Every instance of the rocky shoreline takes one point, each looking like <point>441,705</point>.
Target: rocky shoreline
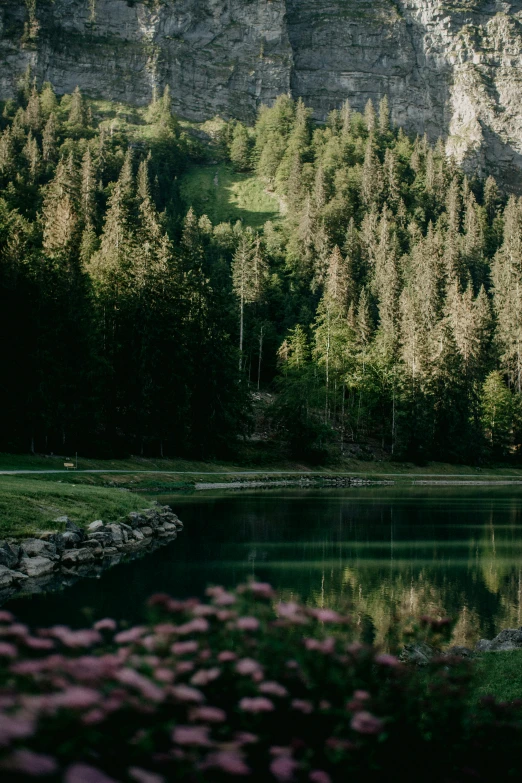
<point>56,560</point>
<point>422,653</point>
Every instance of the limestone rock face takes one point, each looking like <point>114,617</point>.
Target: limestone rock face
<point>450,67</point>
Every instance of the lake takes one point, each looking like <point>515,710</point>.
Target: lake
<point>387,552</point>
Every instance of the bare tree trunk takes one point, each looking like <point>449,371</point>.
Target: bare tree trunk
<point>242,306</point>
<point>342,419</point>
<point>260,357</point>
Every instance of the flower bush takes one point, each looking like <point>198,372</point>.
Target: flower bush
<point>240,686</point>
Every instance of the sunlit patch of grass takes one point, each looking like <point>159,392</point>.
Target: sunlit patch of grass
<point>227,196</point>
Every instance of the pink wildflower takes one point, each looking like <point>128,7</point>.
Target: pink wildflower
<point>183,667</point>
<point>107,624</point>
<point>225,599</point>
<point>226,656</point>
<point>6,617</point>
<point>273,689</point>
<point>144,776</point>
<point>247,624</point>
<point>188,694</point>
<point>165,629</point>
<point>361,695</point>
<point>191,735</point>
<point>26,762</point>
<point>366,723</point>
<point>204,610</point>
<point>283,768</point>
<point>291,611</point>
<point>198,625</point>
<point>147,688</point>
<point>14,727</point>
<point>225,614</point>
<point>204,676</point>
<point>245,738</point>
<point>164,675</point>
<point>306,707</point>
<point>17,629</point>
<point>228,761</point>
<point>209,714</point>
<point>84,773</point>
<point>214,591</point>
<point>326,646</point>
<point>261,589</point>
<point>93,717</point>
<point>256,704</point>
<point>184,648</point>
<point>132,635</point>
<point>387,660</point>
<point>248,666</point>
<point>8,650</point>
<point>75,639</point>
<point>326,615</point>
<point>39,644</point>
<point>319,776</point>
<point>76,698</point>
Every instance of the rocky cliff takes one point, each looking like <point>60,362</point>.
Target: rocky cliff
<point>449,67</point>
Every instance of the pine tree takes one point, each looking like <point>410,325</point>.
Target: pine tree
<point>506,274</point>
<point>372,179</point>
<point>33,112</point>
<point>88,177</point>
<point>248,276</point>
<point>77,114</point>
<point>49,139</point>
<point>384,117</point>
<point>240,148</point>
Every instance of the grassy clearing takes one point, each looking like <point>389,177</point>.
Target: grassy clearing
<point>499,674</point>
<point>28,506</point>
<point>227,196</point>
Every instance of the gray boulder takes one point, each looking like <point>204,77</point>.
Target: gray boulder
<point>419,654</point>
<point>71,539</point>
<point>77,556</point>
<point>36,566</point>
<point>95,526</point>
<point>103,538</point>
<point>35,547</point>
<point>9,554</point>
<point>508,639</point>
<point>136,520</point>
<point>116,533</point>
<point>72,528</point>
<point>8,577</point>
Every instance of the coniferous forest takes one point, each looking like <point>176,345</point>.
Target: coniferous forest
<point>384,306</point>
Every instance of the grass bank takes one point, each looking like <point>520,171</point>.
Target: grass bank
<point>29,506</point>
<point>500,674</point>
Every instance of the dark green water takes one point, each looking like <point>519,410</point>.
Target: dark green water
<point>453,551</point>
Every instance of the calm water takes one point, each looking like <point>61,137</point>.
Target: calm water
<point>455,551</point>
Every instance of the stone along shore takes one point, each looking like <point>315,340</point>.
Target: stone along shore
<point>55,560</point>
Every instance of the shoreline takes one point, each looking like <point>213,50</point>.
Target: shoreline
<point>53,561</point>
